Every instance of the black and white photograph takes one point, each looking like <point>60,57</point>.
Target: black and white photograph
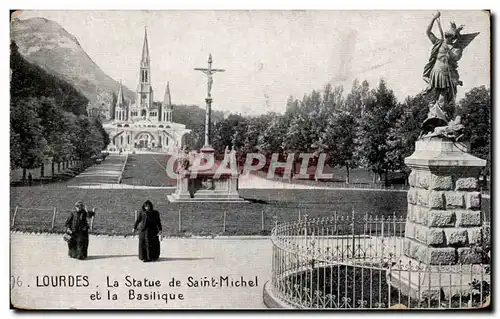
<point>250,159</point>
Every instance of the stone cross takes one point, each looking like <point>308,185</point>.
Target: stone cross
<point>209,73</point>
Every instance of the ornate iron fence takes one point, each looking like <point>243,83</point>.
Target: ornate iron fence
<point>357,262</point>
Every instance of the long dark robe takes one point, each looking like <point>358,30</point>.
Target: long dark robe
<point>79,243</point>
<point>148,224</point>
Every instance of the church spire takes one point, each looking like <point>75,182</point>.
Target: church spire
<point>166,100</point>
<point>167,106</point>
<point>121,109</point>
<point>145,69</point>
<point>145,49</point>
<point>120,100</point>
<point>144,91</point>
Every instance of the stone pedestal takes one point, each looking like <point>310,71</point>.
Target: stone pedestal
<point>205,187</point>
<point>444,220</point>
<point>197,185</point>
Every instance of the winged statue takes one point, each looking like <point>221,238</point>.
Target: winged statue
<point>440,73</point>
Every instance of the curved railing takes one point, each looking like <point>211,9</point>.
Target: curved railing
<point>350,260</point>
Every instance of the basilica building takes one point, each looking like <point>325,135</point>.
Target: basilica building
<point>144,124</point>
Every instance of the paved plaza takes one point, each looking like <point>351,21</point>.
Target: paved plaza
<point>36,256</point>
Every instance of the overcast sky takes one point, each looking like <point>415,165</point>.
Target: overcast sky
<point>269,55</point>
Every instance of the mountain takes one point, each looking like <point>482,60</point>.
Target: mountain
<point>47,44</point>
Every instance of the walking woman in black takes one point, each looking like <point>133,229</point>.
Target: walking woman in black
<point>77,227</point>
<point>149,226</point>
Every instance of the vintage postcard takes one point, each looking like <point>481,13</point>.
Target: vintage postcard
<point>252,159</point>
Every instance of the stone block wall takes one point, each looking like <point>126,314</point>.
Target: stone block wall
<point>444,221</point>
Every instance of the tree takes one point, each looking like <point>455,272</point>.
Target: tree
<point>105,136</point>
<point>378,117</point>
<point>356,99</point>
<point>224,131</point>
<point>87,139</point>
<point>55,131</point>
<point>271,139</point>
<point>337,140</point>
<point>28,134</point>
<point>403,135</point>
<point>239,134</point>
<point>475,112</point>
<point>190,140</point>
<point>15,149</point>
<point>255,127</point>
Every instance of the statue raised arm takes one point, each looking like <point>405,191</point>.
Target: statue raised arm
<point>441,73</point>
<point>429,33</point>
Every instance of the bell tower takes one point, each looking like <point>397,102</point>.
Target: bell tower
<point>144,89</point>
<point>167,106</point>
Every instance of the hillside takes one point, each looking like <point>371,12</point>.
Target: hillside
<point>47,118</point>
<point>44,43</point>
<point>29,80</point>
<point>47,44</point>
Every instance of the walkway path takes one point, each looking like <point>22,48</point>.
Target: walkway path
<point>107,172</point>
<point>35,256</point>
<point>252,181</point>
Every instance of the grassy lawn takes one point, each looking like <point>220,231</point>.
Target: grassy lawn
<point>115,207</point>
<point>147,169</point>
<point>358,178</point>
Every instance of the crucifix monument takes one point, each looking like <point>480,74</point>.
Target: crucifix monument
<point>200,178</point>
<point>209,72</point>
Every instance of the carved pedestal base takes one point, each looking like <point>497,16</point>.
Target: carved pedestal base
<point>207,188</point>
<point>444,224</point>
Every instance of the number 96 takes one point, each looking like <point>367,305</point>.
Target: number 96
<point>15,281</point>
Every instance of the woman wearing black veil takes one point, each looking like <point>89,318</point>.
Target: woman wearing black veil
<point>149,225</point>
<point>77,231</point>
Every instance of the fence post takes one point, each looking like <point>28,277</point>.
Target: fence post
<point>262,220</point>
<point>382,227</point>
<point>14,217</point>
<point>305,230</point>
<point>92,220</point>
<point>353,236</point>
<point>224,223</point>
<point>53,219</point>
<point>180,225</point>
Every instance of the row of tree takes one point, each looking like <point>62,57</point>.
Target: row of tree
<point>48,118</point>
<point>364,128</point>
